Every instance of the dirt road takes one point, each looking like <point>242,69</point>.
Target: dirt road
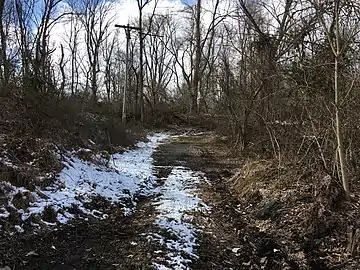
<point>188,221</point>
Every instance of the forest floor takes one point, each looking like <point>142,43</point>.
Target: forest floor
<point>189,216</point>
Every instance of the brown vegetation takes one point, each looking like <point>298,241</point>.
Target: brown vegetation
<point>280,85</point>
<point>296,210</point>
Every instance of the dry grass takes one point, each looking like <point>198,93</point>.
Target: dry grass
<point>304,211</point>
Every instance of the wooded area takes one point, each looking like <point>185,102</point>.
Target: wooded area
<point>280,76</point>
<point>277,80</point>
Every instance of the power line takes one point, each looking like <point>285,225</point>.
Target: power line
<point>128,29</point>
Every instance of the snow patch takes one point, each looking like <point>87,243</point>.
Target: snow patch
<point>127,175</point>
<point>175,204</point>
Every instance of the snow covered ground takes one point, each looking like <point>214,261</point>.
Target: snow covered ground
<point>175,205</point>
<point>127,175</point>
<point>120,181</point>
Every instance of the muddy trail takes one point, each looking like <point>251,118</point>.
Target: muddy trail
<point>189,221</point>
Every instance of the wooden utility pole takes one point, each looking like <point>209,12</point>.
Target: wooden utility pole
<point>127,29</point>
<point>141,56</point>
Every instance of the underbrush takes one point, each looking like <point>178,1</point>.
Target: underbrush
<point>170,117</point>
<point>37,128</point>
<point>303,208</point>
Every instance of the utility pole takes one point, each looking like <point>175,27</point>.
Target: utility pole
<point>127,29</point>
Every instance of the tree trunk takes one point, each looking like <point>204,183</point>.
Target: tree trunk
<point>62,70</point>
<point>141,83</point>
<point>196,78</point>
<point>4,65</point>
<point>338,122</point>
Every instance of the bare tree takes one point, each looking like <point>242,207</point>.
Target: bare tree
<point>96,20</point>
<point>24,12</point>
<point>339,35</point>
<point>197,61</point>
<point>71,39</point>
<point>42,51</point>
<point>158,61</point>
<point>4,63</point>
<point>108,55</point>
<point>62,64</point>
<point>142,35</point>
